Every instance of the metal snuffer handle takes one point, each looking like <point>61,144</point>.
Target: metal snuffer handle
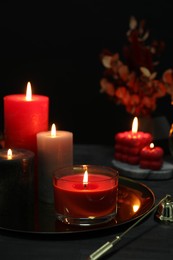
<point>161,208</point>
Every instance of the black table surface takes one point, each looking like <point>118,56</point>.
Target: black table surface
<point>148,240</point>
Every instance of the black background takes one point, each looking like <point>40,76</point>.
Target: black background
<point>56,46</point>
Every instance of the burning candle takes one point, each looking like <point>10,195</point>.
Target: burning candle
<point>151,157</point>
<point>128,144</point>
<point>24,117</point>
<point>16,184</point>
<point>55,150</point>
<point>85,194</point>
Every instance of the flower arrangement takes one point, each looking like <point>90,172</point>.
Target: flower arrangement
<point>133,82</point>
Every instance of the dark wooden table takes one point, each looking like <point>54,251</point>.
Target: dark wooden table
<point>149,240</point>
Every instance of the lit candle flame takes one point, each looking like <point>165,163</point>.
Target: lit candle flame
<point>53,130</point>
<point>85,178</point>
<point>28,92</point>
<point>135,125</point>
<point>9,154</point>
<point>151,145</point>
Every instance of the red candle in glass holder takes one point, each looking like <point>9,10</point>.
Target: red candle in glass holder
<point>85,195</point>
<point>151,157</point>
<point>84,207</point>
<point>128,144</point>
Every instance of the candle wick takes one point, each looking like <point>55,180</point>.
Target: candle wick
<point>85,185</point>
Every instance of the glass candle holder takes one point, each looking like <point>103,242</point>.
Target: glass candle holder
<point>85,194</point>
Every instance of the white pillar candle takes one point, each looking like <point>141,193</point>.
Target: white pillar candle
<point>55,150</point>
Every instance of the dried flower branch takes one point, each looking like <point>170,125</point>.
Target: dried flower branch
<point>133,82</point>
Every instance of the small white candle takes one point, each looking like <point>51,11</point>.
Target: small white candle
<point>55,150</point>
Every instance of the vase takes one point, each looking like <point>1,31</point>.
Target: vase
<point>170,140</point>
<point>158,126</point>
<point>145,124</point>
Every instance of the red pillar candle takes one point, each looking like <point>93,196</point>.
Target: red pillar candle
<point>151,157</point>
<point>85,195</point>
<point>24,117</point>
<point>128,144</point>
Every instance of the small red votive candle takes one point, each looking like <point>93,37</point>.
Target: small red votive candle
<point>151,157</point>
<point>85,194</point>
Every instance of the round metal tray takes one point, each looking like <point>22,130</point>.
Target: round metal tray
<point>134,200</point>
